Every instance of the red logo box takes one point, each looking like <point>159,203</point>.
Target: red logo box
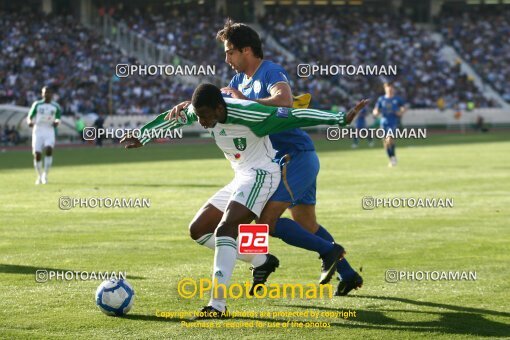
<point>253,239</point>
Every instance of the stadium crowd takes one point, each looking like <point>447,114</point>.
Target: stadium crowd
<point>424,78</point>
<point>484,41</point>
<point>38,49</point>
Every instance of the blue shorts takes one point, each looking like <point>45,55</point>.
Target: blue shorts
<point>388,127</point>
<point>301,177</point>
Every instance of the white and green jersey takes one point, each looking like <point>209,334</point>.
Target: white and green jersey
<point>243,137</point>
<point>44,114</point>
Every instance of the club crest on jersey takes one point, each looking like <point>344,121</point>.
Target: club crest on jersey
<point>257,86</point>
<point>282,112</point>
<point>240,143</point>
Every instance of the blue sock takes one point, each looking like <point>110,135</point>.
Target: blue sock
<point>343,267</point>
<point>388,151</point>
<point>393,150</point>
<point>292,233</point>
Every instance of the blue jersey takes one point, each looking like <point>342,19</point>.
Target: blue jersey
<point>259,86</point>
<point>388,109</point>
<point>361,120</point>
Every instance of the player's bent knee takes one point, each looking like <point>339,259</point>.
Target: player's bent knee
<point>197,230</point>
<point>270,221</point>
<point>226,229</point>
<point>271,213</point>
<point>194,232</point>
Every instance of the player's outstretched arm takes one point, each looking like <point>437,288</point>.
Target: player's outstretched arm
<point>58,114</point>
<point>31,115</point>
<point>352,113</point>
<point>130,142</point>
<point>264,122</point>
<point>174,111</point>
<point>157,128</point>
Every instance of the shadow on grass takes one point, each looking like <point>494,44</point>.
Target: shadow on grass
<point>144,317</point>
<point>31,270</point>
<point>455,320</point>
<point>452,319</point>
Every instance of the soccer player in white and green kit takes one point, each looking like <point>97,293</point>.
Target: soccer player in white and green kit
<point>240,128</point>
<point>44,117</point>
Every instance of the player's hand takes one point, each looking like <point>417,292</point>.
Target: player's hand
<point>30,123</point>
<point>55,123</point>
<point>174,112</point>
<point>130,142</point>
<point>349,117</point>
<point>233,93</point>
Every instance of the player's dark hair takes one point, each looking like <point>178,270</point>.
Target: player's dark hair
<point>207,95</point>
<point>241,36</point>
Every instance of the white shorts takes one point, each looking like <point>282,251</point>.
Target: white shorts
<point>43,138</point>
<point>251,188</point>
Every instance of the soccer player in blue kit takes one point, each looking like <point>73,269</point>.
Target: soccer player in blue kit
<point>267,83</point>
<point>361,123</point>
<point>391,108</point>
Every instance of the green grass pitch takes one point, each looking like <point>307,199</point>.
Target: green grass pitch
<point>152,245</point>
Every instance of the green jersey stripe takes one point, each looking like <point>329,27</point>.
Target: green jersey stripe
<point>261,176</point>
<point>256,195</point>
<point>325,118</point>
<point>254,112</point>
<point>258,190</point>
<point>250,119</point>
<point>245,116</point>
<point>297,113</point>
<point>162,126</point>
<point>250,112</point>
<point>253,188</point>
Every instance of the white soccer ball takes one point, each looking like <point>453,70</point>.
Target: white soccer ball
<point>115,297</point>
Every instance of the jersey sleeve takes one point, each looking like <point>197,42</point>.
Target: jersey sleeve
<point>275,76</point>
<point>264,120</point>
<point>401,102</point>
<point>157,126</point>
<point>33,111</point>
<point>58,113</point>
<point>378,104</point>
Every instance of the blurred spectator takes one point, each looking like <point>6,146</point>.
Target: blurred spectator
<point>99,124</point>
<point>423,76</point>
<point>57,50</point>
<point>483,39</point>
<point>37,49</point>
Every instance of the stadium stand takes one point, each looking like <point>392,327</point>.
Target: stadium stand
<point>483,39</point>
<point>79,63</point>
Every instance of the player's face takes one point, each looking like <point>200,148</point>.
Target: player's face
<point>46,93</point>
<point>234,57</point>
<point>209,117</point>
<point>389,90</point>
